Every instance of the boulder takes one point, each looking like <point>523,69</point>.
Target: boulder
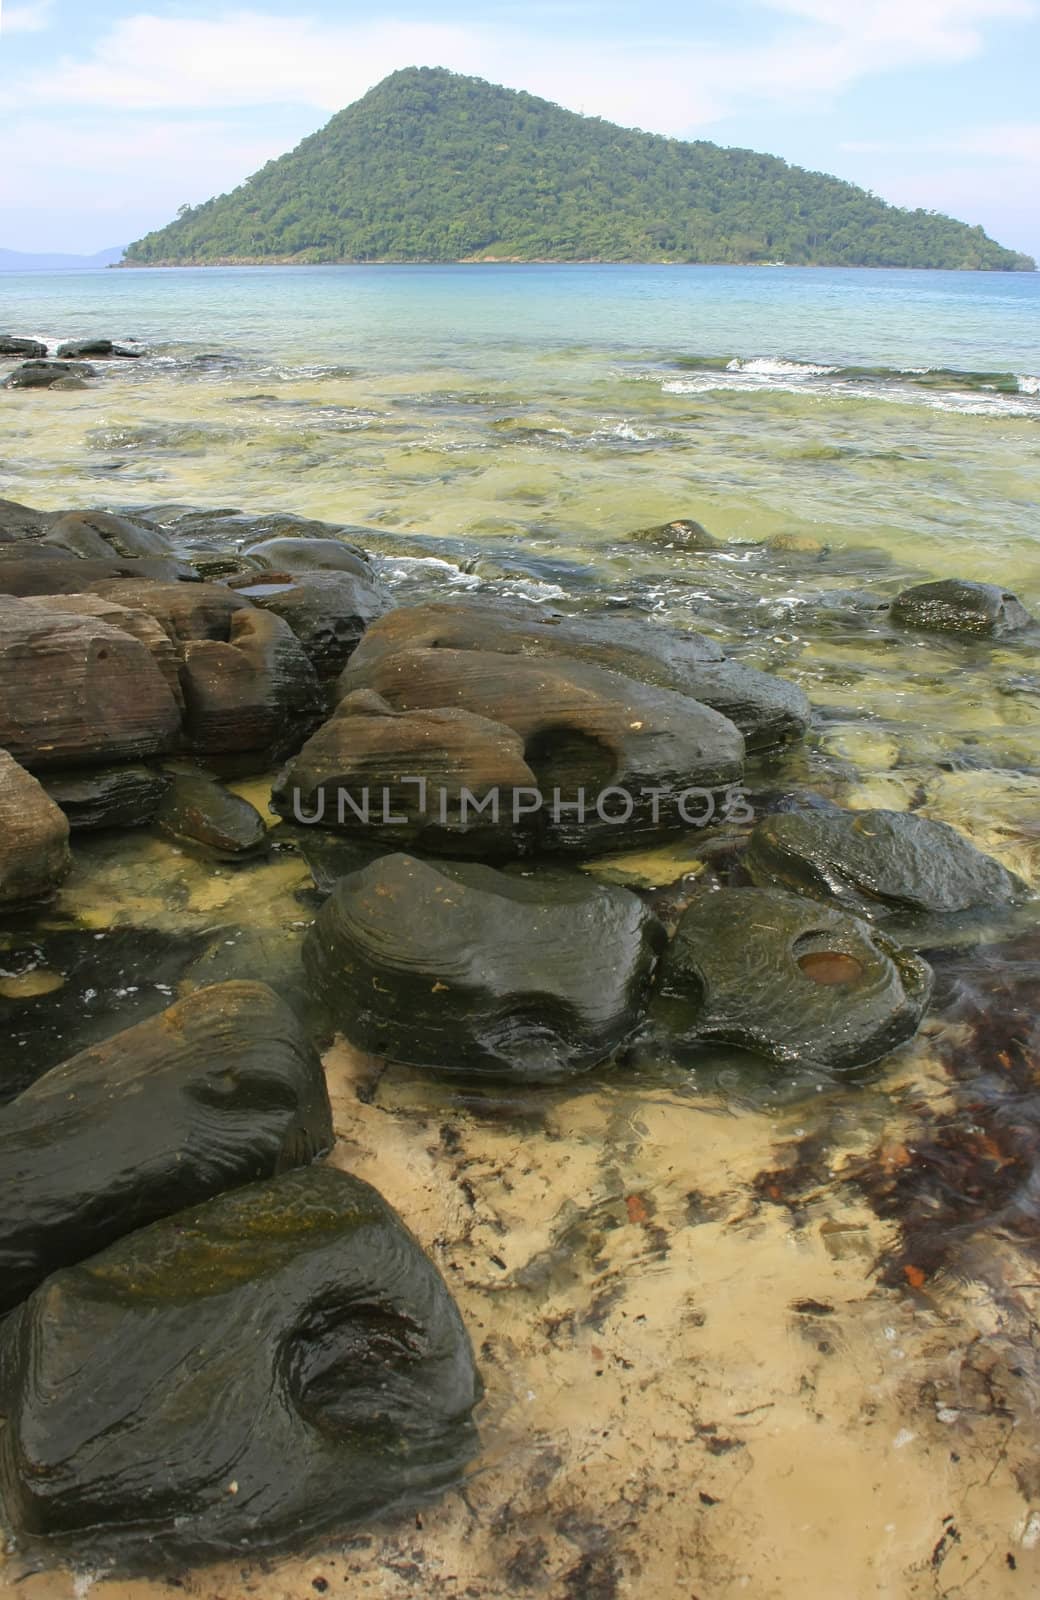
<point>632,756</point>
<point>34,837</point>
<point>272,1365</point>
<point>47,570</point>
<point>98,535</point>
<point>310,555</point>
<point>196,810</point>
<point>12,346</point>
<point>108,797</point>
<point>955,606</point>
<point>681,534</point>
<point>48,375</point>
<point>876,863</point>
<point>76,691</point>
<point>327,611</point>
<point>359,772</point>
<point>257,691</point>
<point>784,978</point>
<point>220,1089</point>
<point>768,711</point>
<point>21,522</point>
<point>138,624</point>
<point>185,611</point>
<point>95,349</point>
<point>479,973</point>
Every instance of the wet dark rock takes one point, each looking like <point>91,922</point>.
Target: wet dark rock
<point>327,611</point>
<point>48,375</point>
<point>475,972</point>
<point>197,810</point>
<point>768,711</point>
<point>98,535</point>
<point>50,571</point>
<point>955,606</point>
<point>784,978</point>
<point>76,691</point>
<point>368,751</point>
<point>310,555</point>
<point>876,863</point>
<point>34,837</point>
<point>21,522</point>
<point>219,1090</point>
<point>682,534</point>
<point>279,1362</point>
<point>584,728</point>
<point>96,350</point>
<point>108,797</point>
<point>12,346</point>
<point>256,691</point>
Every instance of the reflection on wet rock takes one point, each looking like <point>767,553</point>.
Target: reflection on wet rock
<point>475,972</point>
<point>789,980</point>
<point>34,837</point>
<point>876,863</point>
<point>277,1362</point>
<point>219,1090</point>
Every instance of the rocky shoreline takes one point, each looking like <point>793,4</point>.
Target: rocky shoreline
<point>446,770</point>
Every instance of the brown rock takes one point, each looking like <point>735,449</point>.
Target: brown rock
<point>75,691</point>
<point>34,837</point>
<point>257,691</point>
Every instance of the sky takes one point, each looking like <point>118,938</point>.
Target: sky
<point>114,113</point>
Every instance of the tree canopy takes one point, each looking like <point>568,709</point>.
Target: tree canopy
<point>434,166</point>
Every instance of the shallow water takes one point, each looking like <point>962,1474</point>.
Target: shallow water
<point>741,1335</point>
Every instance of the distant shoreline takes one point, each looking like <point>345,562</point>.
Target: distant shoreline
<point>545,261</point>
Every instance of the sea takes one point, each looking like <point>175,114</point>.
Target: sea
<point>744,1330</point>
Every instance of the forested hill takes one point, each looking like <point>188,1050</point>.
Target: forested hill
<point>431,166</point>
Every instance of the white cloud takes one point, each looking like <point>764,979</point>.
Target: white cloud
<point>673,85</point>
<point>34,17</point>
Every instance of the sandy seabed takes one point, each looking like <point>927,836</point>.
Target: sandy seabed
<point>694,1389</point>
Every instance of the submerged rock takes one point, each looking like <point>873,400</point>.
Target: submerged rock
<point>786,979</point>
<point>327,611</point>
<point>217,1091</point>
<point>682,534</point>
<point>34,837</point>
<point>109,797</point>
<point>475,972</point>
<point>76,691</point>
<point>48,375</point>
<point>279,1362</point>
<point>954,605</point>
<point>197,810</point>
<point>875,863</point>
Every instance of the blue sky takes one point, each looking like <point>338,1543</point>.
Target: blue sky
<point>112,114</point>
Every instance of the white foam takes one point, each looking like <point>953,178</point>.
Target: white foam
<point>1028,384</point>
<point>777,367</point>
